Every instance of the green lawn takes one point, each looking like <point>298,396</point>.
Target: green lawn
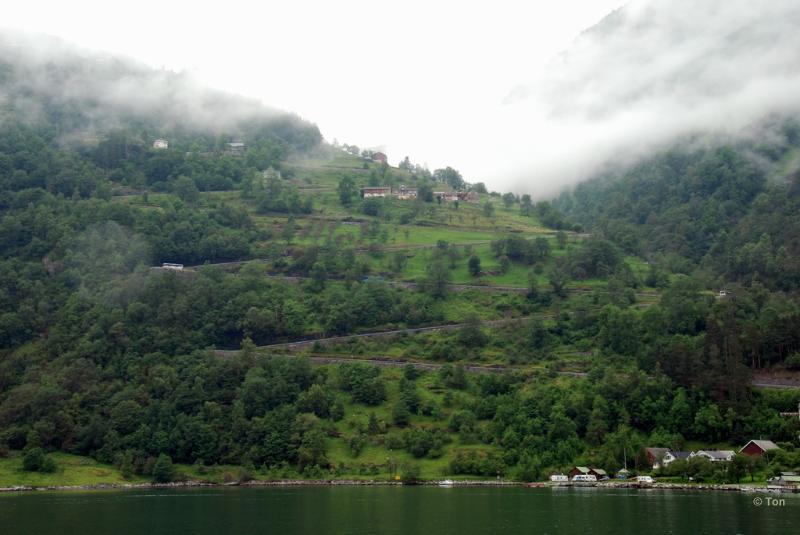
<point>71,470</point>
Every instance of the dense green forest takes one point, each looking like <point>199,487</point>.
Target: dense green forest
<point>722,211</point>
<point>599,312</point>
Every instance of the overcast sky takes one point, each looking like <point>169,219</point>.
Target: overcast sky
<point>510,93</point>
<point>413,77</point>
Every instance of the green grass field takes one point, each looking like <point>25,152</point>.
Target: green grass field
<point>71,470</point>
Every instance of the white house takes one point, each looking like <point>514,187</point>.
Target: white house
<point>160,144</point>
<point>715,456</point>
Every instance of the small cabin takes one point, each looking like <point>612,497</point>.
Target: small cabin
<point>160,144</point>
<point>379,157</point>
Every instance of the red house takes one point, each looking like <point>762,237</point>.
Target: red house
<point>379,157</point>
<point>757,448</point>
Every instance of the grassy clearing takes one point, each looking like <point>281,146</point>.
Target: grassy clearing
<point>71,470</point>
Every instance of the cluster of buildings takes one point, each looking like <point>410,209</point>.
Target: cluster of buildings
<point>585,475</point>
<point>404,193</point>
<point>659,457</point>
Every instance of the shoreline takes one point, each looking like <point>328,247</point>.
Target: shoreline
<point>382,483</point>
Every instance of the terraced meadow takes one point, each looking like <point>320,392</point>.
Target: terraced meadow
<point>393,243</point>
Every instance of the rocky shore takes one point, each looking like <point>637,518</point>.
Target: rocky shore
<point>360,482</point>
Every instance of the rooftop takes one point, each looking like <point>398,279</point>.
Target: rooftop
<point>718,454</point>
<point>765,445</point>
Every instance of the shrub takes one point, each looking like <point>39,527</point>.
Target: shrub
<point>400,414</point>
<point>163,470</point>
<point>793,361</point>
<point>410,474</point>
<point>35,460</point>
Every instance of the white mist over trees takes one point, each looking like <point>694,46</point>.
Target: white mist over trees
<point>41,76</point>
<point>646,75</point>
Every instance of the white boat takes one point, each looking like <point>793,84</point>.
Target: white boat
<point>446,483</point>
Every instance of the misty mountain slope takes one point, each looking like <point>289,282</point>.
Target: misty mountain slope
<point>83,96</point>
<point>730,208</point>
<point>82,124</point>
<point>650,74</point>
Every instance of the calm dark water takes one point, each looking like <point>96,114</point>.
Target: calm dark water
<point>390,510</point>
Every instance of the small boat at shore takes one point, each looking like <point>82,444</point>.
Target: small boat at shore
<point>447,483</point>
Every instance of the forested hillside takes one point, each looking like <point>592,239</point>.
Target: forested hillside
<point>536,335</point>
<point>722,215</point>
<point>727,208</point>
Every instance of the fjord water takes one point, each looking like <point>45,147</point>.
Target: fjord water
<point>393,510</point>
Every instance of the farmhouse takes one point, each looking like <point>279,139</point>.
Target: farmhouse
<point>655,456</point>
<point>160,144</point>
<point>378,191</point>
<point>715,456</point>
<point>757,448</point>
<point>379,157</point>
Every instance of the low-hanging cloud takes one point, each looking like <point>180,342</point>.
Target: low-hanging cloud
<point>39,74</point>
<point>646,75</point>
